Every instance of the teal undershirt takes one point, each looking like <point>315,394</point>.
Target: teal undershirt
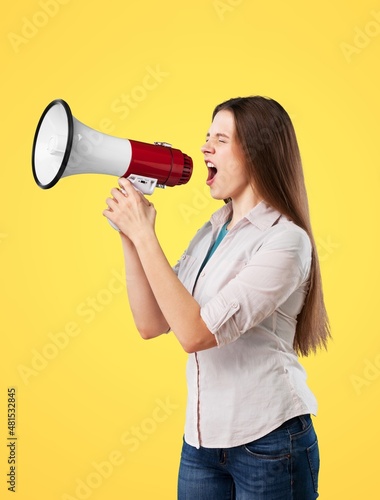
<point>222,233</point>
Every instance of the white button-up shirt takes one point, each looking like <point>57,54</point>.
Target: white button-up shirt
<point>250,292</point>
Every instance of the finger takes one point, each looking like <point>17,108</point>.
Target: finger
<point>131,191</point>
<point>143,198</point>
<point>121,181</point>
<point>112,204</point>
<point>124,183</point>
<point>117,194</point>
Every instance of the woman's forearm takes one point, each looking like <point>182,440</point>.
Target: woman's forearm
<point>147,315</point>
<point>178,306</point>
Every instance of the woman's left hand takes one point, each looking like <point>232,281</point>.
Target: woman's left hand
<point>132,213</point>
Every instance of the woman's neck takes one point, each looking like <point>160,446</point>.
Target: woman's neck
<point>243,205</point>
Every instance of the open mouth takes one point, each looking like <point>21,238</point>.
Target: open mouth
<point>212,171</point>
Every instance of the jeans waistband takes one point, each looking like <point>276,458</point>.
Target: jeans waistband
<point>303,419</point>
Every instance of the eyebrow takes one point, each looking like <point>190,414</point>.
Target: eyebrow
<point>220,134</point>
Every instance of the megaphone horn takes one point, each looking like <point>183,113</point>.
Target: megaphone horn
<point>64,146</point>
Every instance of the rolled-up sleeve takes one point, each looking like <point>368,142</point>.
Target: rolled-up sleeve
<point>273,273</point>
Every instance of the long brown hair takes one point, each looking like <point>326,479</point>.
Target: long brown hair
<point>266,134</point>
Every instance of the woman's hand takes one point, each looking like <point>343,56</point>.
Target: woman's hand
<point>133,214</point>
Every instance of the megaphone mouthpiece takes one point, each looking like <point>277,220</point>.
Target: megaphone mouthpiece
<point>155,159</point>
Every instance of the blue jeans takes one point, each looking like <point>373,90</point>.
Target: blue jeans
<point>283,465</point>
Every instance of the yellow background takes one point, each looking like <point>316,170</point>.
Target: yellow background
<point>103,417</point>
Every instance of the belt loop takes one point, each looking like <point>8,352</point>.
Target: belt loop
<point>223,457</point>
<point>303,421</point>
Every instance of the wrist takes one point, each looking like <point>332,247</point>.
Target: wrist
<point>126,241</point>
<point>143,237</point>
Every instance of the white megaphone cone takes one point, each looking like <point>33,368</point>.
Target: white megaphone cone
<point>64,146</point>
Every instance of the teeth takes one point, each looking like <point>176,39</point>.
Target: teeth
<point>210,165</point>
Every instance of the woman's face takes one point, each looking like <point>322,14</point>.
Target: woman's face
<point>223,155</point>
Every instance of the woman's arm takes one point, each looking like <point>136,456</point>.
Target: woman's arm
<point>176,303</point>
<point>135,217</point>
<point>147,315</point>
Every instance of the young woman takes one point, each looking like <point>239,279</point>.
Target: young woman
<point>243,301</point>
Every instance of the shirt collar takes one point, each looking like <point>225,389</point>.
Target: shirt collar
<point>262,215</point>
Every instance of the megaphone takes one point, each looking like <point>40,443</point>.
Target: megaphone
<point>64,146</point>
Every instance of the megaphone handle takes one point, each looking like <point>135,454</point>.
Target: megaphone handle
<point>145,185</point>
<point>114,225</point>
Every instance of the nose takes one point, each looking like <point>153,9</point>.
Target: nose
<point>207,147</point>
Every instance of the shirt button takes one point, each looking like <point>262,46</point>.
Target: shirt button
<point>202,274</point>
<point>234,305</point>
